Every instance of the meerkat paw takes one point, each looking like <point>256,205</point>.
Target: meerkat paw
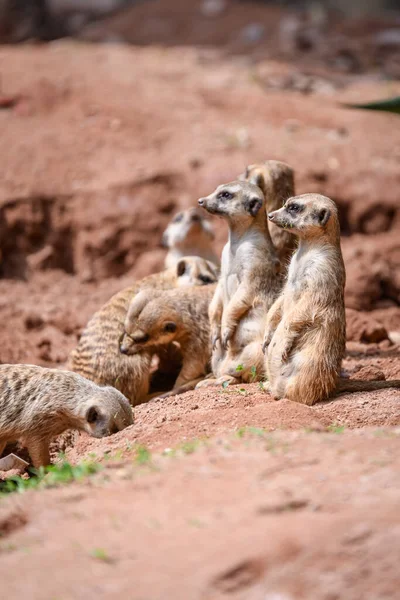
<point>210,382</point>
<point>215,337</point>
<point>267,340</point>
<point>226,380</point>
<point>226,336</point>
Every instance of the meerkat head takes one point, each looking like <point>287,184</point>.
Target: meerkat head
<point>107,412</point>
<point>149,322</point>
<point>236,200</point>
<point>275,178</point>
<point>187,229</point>
<point>307,216</point>
<point>193,270</point>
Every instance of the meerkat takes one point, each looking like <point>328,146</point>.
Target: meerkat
<point>37,404</point>
<point>248,285</point>
<point>305,336</point>
<point>97,356</point>
<point>177,316</point>
<point>188,234</point>
<point>276,179</point>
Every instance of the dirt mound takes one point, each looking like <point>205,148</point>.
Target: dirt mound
<point>285,515</point>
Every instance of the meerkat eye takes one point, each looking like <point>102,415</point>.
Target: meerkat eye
<point>178,218</point>
<point>170,327</point>
<point>206,279</point>
<point>92,415</point>
<point>225,195</point>
<point>294,208</point>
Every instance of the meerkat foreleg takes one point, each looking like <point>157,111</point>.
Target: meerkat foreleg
<point>293,332</point>
<point>273,318</point>
<point>215,313</point>
<point>239,304</point>
<point>39,452</point>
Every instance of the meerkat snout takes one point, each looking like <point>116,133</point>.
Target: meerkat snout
<point>107,414</point>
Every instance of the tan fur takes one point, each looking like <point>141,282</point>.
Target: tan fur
<point>189,234</point>
<point>97,355</point>
<point>177,316</point>
<point>37,404</point>
<point>248,284</point>
<point>306,326</point>
<point>276,179</point>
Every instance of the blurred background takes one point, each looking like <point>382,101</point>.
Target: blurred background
<point>115,114</point>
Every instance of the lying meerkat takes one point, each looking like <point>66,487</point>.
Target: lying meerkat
<point>37,404</point>
<point>97,356</point>
<point>188,234</point>
<point>248,285</point>
<point>276,179</point>
<point>305,336</point>
<point>179,316</point>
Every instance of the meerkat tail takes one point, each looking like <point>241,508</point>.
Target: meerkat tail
<point>354,385</point>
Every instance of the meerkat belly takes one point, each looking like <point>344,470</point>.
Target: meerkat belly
<point>250,328</point>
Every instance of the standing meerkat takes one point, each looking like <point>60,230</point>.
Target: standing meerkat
<point>97,356</point>
<point>188,234</point>
<point>305,336</point>
<point>37,404</point>
<point>276,179</point>
<point>248,285</point>
<point>179,316</point>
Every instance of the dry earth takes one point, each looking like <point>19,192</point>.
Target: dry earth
<point>100,147</point>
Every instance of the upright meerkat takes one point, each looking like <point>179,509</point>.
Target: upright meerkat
<point>248,285</point>
<point>189,234</point>
<point>97,356</point>
<point>276,179</point>
<point>305,336</point>
<point>36,404</point>
<point>179,316</point>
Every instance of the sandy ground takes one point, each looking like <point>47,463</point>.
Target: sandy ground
<point>102,146</point>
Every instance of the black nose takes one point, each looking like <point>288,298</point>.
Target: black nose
<point>271,216</point>
<point>201,201</point>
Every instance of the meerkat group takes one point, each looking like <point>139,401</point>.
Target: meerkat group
<point>275,312</point>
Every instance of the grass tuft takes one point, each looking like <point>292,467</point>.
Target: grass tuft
<point>51,476</point>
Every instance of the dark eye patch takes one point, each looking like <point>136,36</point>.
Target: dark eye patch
<point>178,218</point>
<point>206,279</point>
<point>225,195</point>
<point>295,208</point>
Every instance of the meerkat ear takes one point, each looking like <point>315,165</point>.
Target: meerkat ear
<point>258,180</point>
<point>92,414</point>
<point>253,206</point>
<point>170,327</point>
<point>181,267</point>
<point>323,216</point>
